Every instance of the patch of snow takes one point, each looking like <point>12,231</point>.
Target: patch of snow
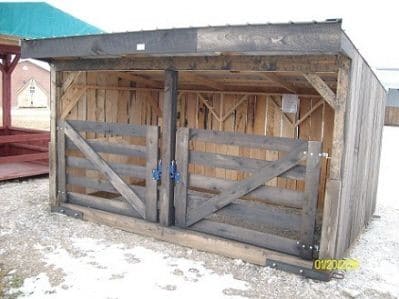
<point>105,270</point>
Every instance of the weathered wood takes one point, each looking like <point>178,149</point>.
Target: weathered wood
<point>266,194</point>
<point>55,82</point>
<point>255,63</point>
<point>250,212</point>
<point>130,196</point>
<point>100,185</point>
<point>168,146</point>
<point>151,186</point>
<point>113,148</point>
<point>182,162</point>
<point>103,204</point>
<point>248,140</point>
<point>309,113</point>
<point>239,163</point>
<point>183,237</point>
<point>121,169</point>
<point>75,97</point>
<point>256,238</point>
<point>109,128</point>
<point>322,88</point>
<point>196,90</point>
<point>245,186</point>
<point>312,180</point>
<point>61,169</point>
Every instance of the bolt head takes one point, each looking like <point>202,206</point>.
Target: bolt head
<point>301,271</point>
<point>274,265</point>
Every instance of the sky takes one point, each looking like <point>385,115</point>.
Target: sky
<point>372,25</point>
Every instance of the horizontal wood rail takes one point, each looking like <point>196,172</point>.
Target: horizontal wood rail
<point>250,165</point>
<point>24,138</point>
<point>121,169</point>
<point>246,140</point>
<point>113,148</point>
<point>108,128</point>
<point>24,158</point>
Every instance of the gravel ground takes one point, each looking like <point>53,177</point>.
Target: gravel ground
<point>36,246</point>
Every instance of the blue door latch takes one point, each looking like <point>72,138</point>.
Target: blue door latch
<point>173,173</point>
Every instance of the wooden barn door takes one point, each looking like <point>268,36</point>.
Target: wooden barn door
<point>122,187</point>
<point>249,209</point>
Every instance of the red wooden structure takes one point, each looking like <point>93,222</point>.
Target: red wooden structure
<point>23,152</point>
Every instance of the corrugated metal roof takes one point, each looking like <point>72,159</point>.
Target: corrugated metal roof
<point>393,98</point>
<point>40,20</point>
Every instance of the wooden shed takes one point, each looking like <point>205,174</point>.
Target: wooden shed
<point>392,108</point>
<point>260,142</point>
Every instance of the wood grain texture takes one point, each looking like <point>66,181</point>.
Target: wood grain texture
<point>132,198</point>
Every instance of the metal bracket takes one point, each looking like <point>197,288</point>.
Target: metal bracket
<point>306,251</point>
<point>306,272</point>
<point>157,172</point>
<point>173,173</point>
<point>67,211</point>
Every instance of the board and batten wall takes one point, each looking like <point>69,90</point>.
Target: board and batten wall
<point>364,121</point>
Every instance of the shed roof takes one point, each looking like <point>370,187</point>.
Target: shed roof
<point>261,39</point>
<point>40,20</point>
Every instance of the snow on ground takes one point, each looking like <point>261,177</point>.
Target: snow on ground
<point>44,255</point>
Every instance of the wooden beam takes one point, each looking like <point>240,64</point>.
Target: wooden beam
<point>69,81</point>
<point>276,79</point>
<point>104,168</point>
<point>55,93</point>
<point>139,79</point>
<point>232,109</point>
<point>201,80</point>
<point>255,63</point>
<point>183,237</point>
<point>309,113</point>
<point>168,146</point>
<point>73,101</point>
<point>322,88</point>
<point>231,92</point>
<point>329,242</point>
<point>211,109</point>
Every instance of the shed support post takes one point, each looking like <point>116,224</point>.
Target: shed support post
<point>7,67</point>
<point>168,146</point>
<point>332,202</point>
<point>53,160</point>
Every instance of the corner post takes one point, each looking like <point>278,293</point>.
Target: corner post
<point>168,146</point>
<point>54,107</point>
<point>329,247</point>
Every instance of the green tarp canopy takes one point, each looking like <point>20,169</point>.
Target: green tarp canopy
<point>33,20</point>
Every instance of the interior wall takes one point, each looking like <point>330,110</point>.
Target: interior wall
<point>252,114</point>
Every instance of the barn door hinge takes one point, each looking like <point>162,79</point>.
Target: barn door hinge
<point>173,173</point>
<point>306,272</point>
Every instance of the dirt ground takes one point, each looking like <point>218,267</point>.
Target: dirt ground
<point>44,255</point>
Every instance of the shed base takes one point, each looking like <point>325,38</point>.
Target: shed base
<point>200,241</point>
